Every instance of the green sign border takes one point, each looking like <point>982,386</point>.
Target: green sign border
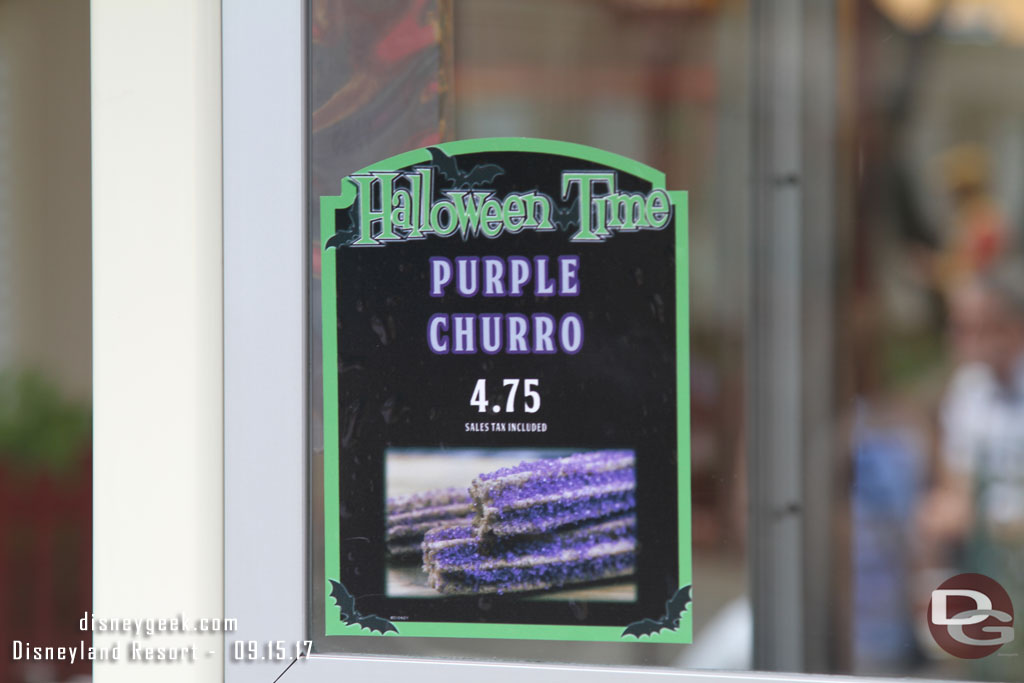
<point>328,204</point>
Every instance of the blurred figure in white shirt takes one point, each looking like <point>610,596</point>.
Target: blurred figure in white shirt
<point>982,416</point>
<point>973,521</point>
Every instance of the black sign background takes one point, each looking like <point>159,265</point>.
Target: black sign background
<point>618,392</point>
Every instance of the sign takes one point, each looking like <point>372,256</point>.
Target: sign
<point>506,406</point>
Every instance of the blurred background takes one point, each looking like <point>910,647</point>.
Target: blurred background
<point>45,333</point>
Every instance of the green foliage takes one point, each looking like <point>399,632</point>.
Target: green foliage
<point>39,428</point>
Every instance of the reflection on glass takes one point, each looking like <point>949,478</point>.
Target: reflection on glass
<point>936,301</point>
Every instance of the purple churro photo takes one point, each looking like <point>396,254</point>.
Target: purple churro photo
<point>544,495</point>
<point>457,561</point>
<point>552,524</point>
<point>410,517</point>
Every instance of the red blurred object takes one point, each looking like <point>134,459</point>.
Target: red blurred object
<point>413,32</point>
<point>45,562</point>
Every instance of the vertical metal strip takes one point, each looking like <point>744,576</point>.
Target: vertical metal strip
<point>790,401</point>
<point>821,448</point>
<point>265,348</point>
<point>774,450</point>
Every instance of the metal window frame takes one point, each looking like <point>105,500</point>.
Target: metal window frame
<point>792,397</point>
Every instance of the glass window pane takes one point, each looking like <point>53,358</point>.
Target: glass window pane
<point>672,94</point>
<point>854,172</point>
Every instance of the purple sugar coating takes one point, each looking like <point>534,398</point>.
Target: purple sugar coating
<point>555,514</point>
<point>554,466</point>
<point>448,533</point>
<point>542,495</point>
<point>545,485</point>
<point>516,579</point>
<point>458,562</point>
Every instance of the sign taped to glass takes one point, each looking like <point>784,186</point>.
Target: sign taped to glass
<point>506,409</point>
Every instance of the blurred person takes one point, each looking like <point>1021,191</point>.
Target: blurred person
<point>889,453</point>
<point>982,416</point>
<point>973,520</point>
<point>889,446</point>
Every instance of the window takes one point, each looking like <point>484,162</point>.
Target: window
<point>850,170</point>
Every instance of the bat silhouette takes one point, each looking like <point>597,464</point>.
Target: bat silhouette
<point>350,615</point>
<point>338,239</point>
<point>342,236</point>
<point>674,608</point>
<point>481,174</point>
<point>563,217</point>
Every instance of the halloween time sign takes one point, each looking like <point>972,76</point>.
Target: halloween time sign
<point>506,414</point>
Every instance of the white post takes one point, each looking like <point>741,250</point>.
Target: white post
<point>157,328</point>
